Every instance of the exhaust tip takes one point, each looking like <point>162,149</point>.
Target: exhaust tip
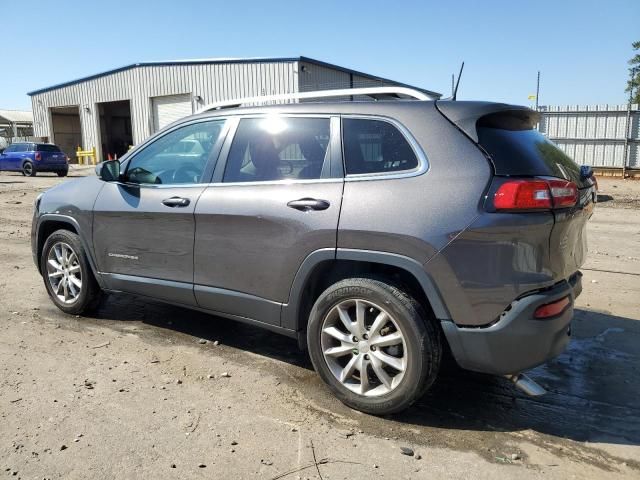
<point>527,385</point>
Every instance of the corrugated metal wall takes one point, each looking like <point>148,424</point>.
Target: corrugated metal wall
<point>594,134</point>
<point>317,77</point>
<point>314,77</point>
<point>212,82</point>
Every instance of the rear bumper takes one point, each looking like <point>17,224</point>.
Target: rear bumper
<point>516,341</point>
<point>52,167</point>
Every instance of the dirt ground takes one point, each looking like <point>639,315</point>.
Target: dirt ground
<point>145,390</point>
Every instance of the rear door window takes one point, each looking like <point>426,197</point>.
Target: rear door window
<point>375,146</point>
<point>278,148</point>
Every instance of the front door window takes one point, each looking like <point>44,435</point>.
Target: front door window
<point>177,158</point>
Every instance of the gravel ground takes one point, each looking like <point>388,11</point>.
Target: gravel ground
<point>618,193</point>
<point>145,390</point>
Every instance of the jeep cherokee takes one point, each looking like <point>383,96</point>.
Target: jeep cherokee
<point>377,233</point>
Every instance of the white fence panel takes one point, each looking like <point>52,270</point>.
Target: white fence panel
<point>595,134</point>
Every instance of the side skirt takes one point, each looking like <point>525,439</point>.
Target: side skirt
<point>238,306</point>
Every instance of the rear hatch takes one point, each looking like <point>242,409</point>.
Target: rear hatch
<point>50,154</point>
<point>519,153</point>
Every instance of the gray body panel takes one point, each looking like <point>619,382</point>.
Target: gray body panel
<point>74,199</point>
<point>68,203</point>
<point>493,261</point>
<point>239,251</point>
<point>135,234</point>
<point>249,241</point>
<point>418,216</point>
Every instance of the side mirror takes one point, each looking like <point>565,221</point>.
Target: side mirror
<point>108,171</point>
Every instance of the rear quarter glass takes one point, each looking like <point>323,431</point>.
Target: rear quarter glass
<point>526,153</point>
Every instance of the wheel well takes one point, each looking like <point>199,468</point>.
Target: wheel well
<point>47,228</point>
<point>329,272</point>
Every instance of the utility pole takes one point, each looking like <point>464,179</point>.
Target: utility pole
<point>537,90</point>
<point>627,124</point>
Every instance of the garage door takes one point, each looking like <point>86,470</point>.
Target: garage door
<point>170,108</point>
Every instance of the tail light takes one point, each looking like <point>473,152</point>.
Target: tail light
<point>535,194</point>
<point>552,309</point>
<point>38,156</point>
<point>564,193</point>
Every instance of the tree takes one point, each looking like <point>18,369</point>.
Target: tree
<point>633,85</point>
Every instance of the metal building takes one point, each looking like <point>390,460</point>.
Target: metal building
<point>603,136</point>
<point>16,125</point>
<point>118,108</point>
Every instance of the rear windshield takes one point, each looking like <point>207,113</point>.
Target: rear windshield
<point>526,153</point>
<point>47,148</point>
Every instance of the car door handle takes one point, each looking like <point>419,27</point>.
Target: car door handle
<point>307,204</point>
<point>176,202</point>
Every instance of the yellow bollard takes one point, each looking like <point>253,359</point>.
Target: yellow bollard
<point>88,154</point>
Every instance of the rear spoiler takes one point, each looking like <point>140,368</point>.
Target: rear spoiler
<point>465,115</point>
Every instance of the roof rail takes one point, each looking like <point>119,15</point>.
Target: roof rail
<point>377,93</point>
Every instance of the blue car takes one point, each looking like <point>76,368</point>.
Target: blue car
<point>31,158</point>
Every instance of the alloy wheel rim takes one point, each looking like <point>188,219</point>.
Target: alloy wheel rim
<point>364,347</point>
<point>64,273</point>
<point>28,169</point>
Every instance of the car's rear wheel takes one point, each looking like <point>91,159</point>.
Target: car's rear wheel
<point>373,344</point>
<point>28,170</point>
<point>67,274</point>
<point>63,173</point>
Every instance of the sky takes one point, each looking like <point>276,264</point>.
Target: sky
<point>580,47</point>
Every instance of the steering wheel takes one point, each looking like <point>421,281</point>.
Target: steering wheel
<point>187,173</point>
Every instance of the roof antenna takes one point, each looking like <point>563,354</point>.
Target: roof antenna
<point>455,90</point>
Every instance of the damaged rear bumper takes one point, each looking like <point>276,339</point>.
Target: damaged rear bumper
<point>516,341</point>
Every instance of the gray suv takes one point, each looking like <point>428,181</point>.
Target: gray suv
<point>378,233</point>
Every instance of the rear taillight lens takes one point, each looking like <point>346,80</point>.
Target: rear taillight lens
<point>535,194</point>
<point>522,195</point>
<point>564,193</point>
<point>38,156</point>
<point>552,309</point>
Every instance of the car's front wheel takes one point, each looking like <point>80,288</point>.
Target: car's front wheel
<point>373,344</point>
<point>67,274</point>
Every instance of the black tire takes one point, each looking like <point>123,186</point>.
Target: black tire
<point>90,292</point>
<point>64,173</point>
<point>28,170</point>
<point>421,336</point>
